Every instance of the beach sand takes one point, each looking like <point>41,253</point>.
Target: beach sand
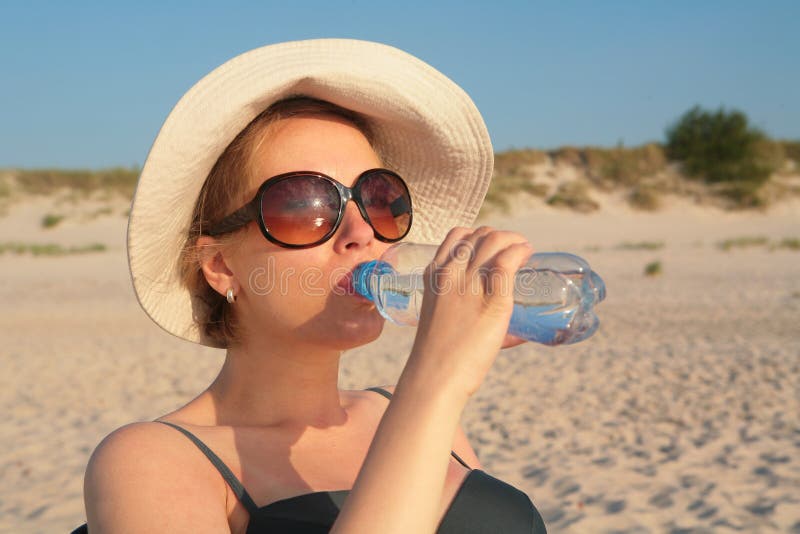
<point>681,414</point>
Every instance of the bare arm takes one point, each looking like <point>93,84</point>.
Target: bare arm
<point>461,445</point>
<point>399,487</point>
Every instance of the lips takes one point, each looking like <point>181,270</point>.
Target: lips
<point>344,286</point>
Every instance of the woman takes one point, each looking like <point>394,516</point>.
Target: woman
<point>269,182</point>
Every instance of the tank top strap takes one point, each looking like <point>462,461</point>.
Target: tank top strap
<point>389,396</point>
<point>230,478</point>
<point>381,391</point>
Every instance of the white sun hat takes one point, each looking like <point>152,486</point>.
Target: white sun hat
<point>426,128</point>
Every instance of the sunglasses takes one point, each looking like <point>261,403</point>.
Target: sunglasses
<point>305,208</point>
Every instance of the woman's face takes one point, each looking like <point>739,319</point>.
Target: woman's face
<point>301,295</point>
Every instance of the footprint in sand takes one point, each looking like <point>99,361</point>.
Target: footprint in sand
<point>663,499</point>
<point>761,507</point>
<point>565,486</point>
<point>539,475</point>
<point>615,507</point>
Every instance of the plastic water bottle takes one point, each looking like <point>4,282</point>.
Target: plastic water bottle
<point>554,293</point>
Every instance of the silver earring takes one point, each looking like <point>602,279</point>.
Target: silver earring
<point>230,296</point>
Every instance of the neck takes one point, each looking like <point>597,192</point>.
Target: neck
<point>291,387</point>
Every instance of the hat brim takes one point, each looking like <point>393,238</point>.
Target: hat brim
<point>426,127</point>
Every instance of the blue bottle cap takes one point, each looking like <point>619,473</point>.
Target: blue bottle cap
<point>363,274</point>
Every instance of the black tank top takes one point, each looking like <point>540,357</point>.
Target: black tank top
<point>482,505</point>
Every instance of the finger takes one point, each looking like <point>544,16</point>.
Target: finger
<point>462,252</point>
<point>458,247</point>
<point>512,341</point>
<point>455,235</point>
<point>500,271</point>
<point>437,273</point>
<point>491,244</point>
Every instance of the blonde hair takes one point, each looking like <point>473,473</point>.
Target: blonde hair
<point>224,191</point>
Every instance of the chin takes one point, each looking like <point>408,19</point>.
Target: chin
<point>355,333</point>
<point>342,324</point>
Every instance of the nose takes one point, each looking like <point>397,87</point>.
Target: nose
<point>354,232</point>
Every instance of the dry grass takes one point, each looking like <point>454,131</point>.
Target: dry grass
<point>119,181</point>
<point>517,161</point>
<point>568,155</point>
<point>791,150</point>
<point>48,249</point>
<point>787,243</point>
<point>645,198</point>
<point>614,167</point>
<point>574,195</point>
<point>504,187</point>
<point>790,243</point>
<point>100,212</point>
<point>743,242</point>
<point>625,166</point>
<point>641,245</point>
<point>642,173</point>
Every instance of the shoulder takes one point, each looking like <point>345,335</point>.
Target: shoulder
<point>146,475</point>
<point>461,444</point>
<point>137,444</point>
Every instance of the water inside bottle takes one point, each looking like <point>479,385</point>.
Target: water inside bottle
<point>544,324</point>
<point>545,311</point>
<point>401,296</point>
<point>551,324</point>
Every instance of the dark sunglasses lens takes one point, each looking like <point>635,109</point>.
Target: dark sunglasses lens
<point>387,203</point>
<point>300,210</point>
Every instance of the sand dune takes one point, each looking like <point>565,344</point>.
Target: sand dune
<point>682,414</point>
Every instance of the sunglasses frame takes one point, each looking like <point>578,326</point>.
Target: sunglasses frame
<point>252,210</point>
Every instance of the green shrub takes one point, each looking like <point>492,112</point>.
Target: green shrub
<point>653,268</point>
<point>50,220</point>
<point>721,147</point>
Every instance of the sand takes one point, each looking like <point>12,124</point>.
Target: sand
<point>682,414</point>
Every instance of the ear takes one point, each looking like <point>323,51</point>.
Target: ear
<point>215,269</point>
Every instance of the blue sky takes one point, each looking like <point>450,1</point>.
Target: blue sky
<point>88,84</point>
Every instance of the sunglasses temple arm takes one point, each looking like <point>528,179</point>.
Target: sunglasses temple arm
<point>235,220</point>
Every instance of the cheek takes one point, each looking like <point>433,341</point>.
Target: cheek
<point>284,302</point>
<point>380,247</point>
<point>275,285</point>
<point>284,299</point>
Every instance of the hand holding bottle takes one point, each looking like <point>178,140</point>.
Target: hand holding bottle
<point>467,304</point>
<point>554,292</point>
